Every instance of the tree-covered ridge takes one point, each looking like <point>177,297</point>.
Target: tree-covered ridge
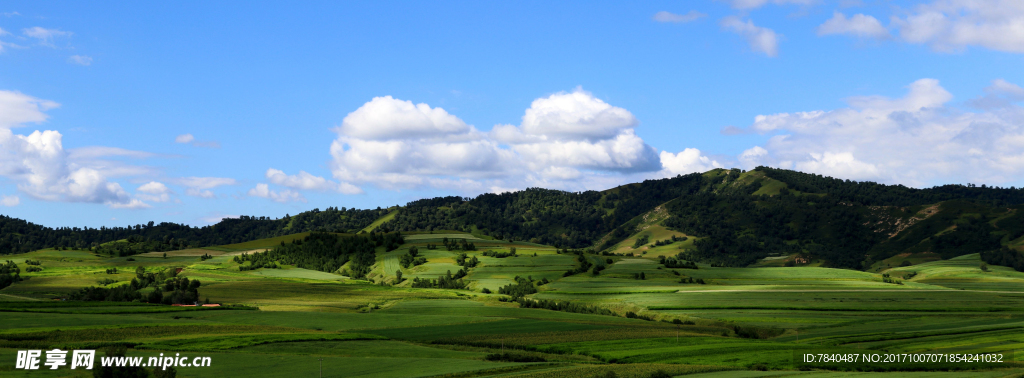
<point>552,217</point>
<point>874,194</point>
<point>328,252</point>
<point>19,236</point>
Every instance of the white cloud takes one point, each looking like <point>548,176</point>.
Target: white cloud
<point>307,181</point>
<point>154,191</point>
<point>665,16</point>
<point>200,193</point>
<point>263,191</point>
<point>953,25</point>
<point>575,116</point>
<point>859,25</point>
<point>42,169</point>
<point>154,187</point>
<point>566,140</point>
<point>753,4</point>
<point>199,186</point>
<point>189,139</point>
<point>17,109</point>
<point>93,152</point>
<point>9,201</point>
<point>45,36</point>
<point>385,118</point>
<point>133,204</point>
<point>82,60</point>
<point>916,140</point>
<point>753,157</point>
<point>760,39</point>
<point>205,182</point>
<point>687,161</point>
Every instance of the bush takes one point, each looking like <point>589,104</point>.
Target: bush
<point>510,357</point>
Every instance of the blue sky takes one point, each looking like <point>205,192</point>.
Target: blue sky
<point>115,114</point>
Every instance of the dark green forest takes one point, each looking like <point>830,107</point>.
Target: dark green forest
<point>19,236</point>
<point>737,218</point>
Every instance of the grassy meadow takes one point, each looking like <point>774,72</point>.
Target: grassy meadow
<point>740,322</point>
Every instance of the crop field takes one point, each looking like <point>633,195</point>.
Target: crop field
<point>281,322</point>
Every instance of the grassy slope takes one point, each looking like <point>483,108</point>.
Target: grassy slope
<point>827,309</point>
<point>380,221</point>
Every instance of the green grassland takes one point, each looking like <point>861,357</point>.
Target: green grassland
<point>282,322</point>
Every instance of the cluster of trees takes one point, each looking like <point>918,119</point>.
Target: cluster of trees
<point>328,252</point>
<point>874,194</point>
<point>1003,256</point>
<point>501,255</point>
<point>522,287</point>
<point>690,280</point>
<point>446,281</point>
<point>19,236</point>
<point>583,267</point>
<point>136,244</point>
<point>458,245</point>
<point>677,262</point>
<point>512,357</point>
<point>639,276</point>
<point>182,291</point>
<point>464,261</point>
<point>9,274</point>
<point>887,278</point>
<point>659,243</point>
<point>633,315</point>
<point>641,241</point>
<point>256,260</point>
<point>410,259</point>
<point>563,306</point>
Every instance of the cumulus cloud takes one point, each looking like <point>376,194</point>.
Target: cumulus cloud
<point>307,181</point>
<point>154,191</point>
<point>41,167</point>
<point>385,118</point>
<point>665,16</point>
<point>687,161</point>
<point>565,140</point>
<point>81,60</point>
<point>918,139</point>
<point>45,36</point>
<point>263,191</point>
<point>760,39</point>
<point>858,25</point>
<point>953,25</point>
<point>10,201</point>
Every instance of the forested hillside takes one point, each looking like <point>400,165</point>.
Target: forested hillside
<point>737,218</point>
<point>19,236</point>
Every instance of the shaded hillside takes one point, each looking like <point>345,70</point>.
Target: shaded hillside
<point>736,218</point>
<point>552,217</point>
<point>18,236</point>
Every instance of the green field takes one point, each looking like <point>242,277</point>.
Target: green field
<point>742,322</point>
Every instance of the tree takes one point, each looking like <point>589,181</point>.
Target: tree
<point>398,275</point>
